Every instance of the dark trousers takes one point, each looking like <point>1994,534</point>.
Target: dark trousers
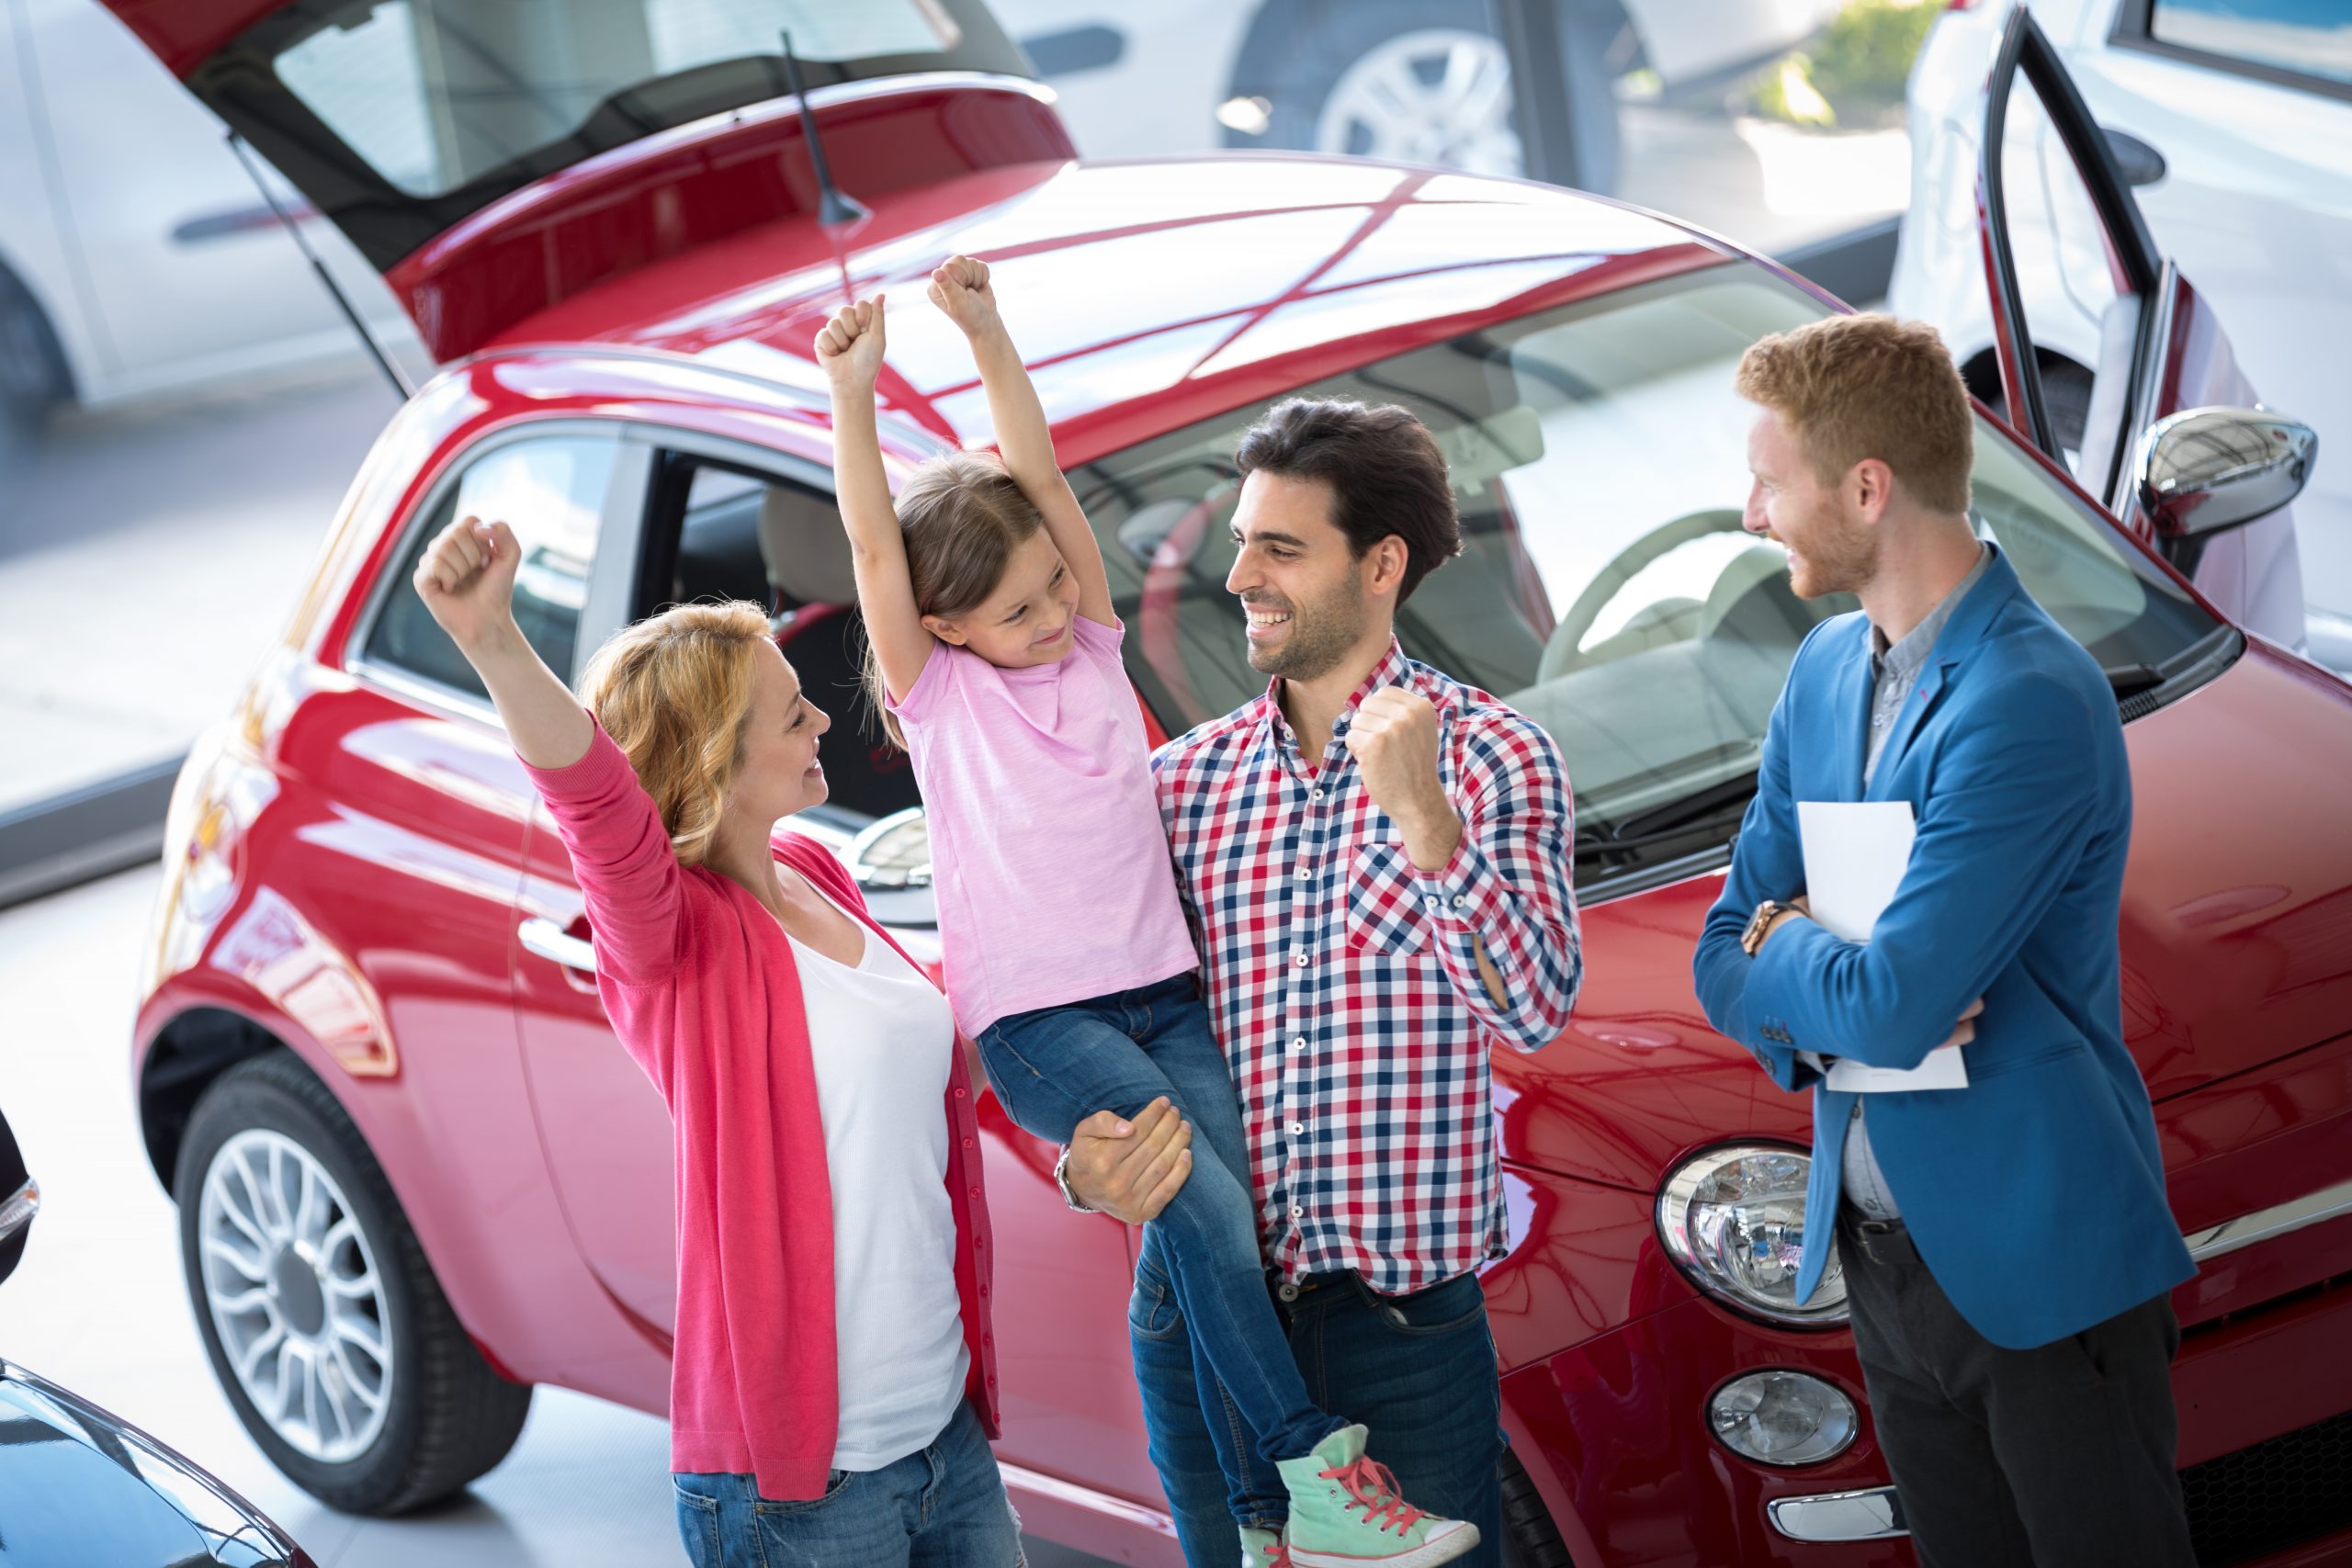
<point>2056,1456</point>
<point>1417,1370</point>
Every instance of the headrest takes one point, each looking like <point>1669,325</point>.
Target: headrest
<point>805,550</point>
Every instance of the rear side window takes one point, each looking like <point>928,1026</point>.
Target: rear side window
<point>550,490</point>
<point>2308,38</point>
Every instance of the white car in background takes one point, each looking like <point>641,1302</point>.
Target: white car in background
<point>136,256</point>
<point>2231,120</point>
<point>1411,81</point>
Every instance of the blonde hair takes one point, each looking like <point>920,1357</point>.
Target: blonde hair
<point>1869,386</point>
<point>961,516</point>
<point>674,693</point>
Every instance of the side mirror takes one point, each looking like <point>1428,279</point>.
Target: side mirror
<point>894,853</point>
<point>20,1202</point>
<point>2204,470</point>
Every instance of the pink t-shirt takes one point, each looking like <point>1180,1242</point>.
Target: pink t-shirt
<point>1048,855</point>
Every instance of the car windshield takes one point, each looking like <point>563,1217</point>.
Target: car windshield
<point>1606,588</point>
<point>436,95</point>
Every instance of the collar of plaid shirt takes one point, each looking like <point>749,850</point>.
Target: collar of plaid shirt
<point>1343,983</point>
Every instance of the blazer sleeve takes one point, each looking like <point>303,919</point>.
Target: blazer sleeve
<point>1767,861</point>
<point>2004,823</point>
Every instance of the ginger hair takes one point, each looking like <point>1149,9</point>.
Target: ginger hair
<point>1851,388</point>
<point>674,693</point>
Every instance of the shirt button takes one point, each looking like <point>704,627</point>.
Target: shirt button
<point>1429,902</point>
<point>1459,901</point>
<point>1299,960</point>
<point>1315,793</point>
<point>967,1142</point>
<point>960,1094</point>
<point>1305,872</point>
<point>1296,1128</point>
<point>976,1191</point>
<point>1299,1044</point>
<point>1298,1211</point>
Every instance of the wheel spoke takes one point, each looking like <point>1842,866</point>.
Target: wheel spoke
<point>251,1267</point>
<point>249,1362</point>
<point>236,1216</point>
<point>349,1331</point>
<point>372,1395</point>
<point>310,1215</point>
<point>255,1204</point>
<point>244,1301</point>
<point>289,1389</point>
<point>358,1288</point>
<point>329,1376</point>
<point>310,1398</point>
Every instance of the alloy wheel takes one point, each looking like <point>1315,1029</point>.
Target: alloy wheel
<point>295,1295</point>
<point>1432,95</point>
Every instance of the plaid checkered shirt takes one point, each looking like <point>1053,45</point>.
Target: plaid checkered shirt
<point>1344,984</point>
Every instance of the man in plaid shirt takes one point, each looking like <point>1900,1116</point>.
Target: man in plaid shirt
<point>1377,860</point>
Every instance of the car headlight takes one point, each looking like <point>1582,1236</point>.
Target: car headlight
<point>1734,1219</point>
<point>1783,1418</point>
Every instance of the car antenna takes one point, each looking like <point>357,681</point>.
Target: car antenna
<point>359,324</point>
<point>833,205</point>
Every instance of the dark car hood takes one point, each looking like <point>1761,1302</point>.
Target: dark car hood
<point>2236,930</point>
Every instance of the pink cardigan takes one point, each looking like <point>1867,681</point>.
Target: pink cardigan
<point>701,987</point>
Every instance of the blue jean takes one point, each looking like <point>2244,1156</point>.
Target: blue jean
<point>943,1506</point>
<point>1418,1371</point>
<point>1054,1067</point>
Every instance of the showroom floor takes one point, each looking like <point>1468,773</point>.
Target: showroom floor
<point>98,1304</point>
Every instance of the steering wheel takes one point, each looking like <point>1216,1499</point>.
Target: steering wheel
<point>1564,651</point>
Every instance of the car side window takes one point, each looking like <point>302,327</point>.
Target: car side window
<point>551,491</point>
<point>2307,37</point>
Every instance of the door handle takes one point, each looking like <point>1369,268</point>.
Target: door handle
<point>551,941</point>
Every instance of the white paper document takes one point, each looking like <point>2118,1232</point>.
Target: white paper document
<point>1855,855</point>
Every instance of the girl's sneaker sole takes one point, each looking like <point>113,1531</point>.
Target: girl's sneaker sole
<point>1428,1554</point>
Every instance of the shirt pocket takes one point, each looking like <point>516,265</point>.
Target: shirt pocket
<point>1384,903</point>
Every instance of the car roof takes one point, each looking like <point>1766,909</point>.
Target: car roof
<point>1146,291</point>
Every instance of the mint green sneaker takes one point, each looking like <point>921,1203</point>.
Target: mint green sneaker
<point>1263,1549</point>
<point>1344,1513</point>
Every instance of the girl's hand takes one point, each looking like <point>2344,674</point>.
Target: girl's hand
<point>850,345</point>
<point>960,286</point>
<point>467,580</point>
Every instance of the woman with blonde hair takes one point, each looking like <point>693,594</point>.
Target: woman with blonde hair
<point>832,1389</point>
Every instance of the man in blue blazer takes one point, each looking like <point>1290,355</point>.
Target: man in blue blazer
<point>2007,1249</point>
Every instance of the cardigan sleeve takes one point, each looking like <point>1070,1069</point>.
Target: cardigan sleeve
<point>621,855</point>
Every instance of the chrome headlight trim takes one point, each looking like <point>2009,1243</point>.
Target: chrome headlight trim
<point>1675,1198</point>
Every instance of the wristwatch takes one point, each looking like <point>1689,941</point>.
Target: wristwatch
<point>1751,940</point>
<point>1061,1180</point>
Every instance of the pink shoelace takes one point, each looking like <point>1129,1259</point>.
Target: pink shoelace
<point>1375,1490</point>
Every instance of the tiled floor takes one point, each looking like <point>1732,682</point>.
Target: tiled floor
<point>99,1305</point>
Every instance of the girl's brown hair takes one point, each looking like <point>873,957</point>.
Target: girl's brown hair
<point>674,693</point>
<point>961,518</point>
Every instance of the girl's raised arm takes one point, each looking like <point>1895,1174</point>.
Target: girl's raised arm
<point>960,286</point>
<point>849,348</point>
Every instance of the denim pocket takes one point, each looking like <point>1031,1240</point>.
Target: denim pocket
<point>836,1482</point>
<point>698,1527</point>
<point>1449,1308</point>
<point>1151,1309</point>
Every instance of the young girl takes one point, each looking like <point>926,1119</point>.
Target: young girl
<point>995,659</point>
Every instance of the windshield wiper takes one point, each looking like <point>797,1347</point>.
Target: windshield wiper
<point>2130,679</point>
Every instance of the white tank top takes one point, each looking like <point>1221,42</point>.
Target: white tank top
<point>881,1034</point>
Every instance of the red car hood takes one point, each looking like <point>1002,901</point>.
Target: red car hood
<point>2237,943</point>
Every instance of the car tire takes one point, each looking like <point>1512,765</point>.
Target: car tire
<point>1320,66</point>
<point>1530,1538</point>
<point>33,376</point>
<point>275,1140</point>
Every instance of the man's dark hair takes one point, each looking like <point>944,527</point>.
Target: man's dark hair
<point>1385,474</point>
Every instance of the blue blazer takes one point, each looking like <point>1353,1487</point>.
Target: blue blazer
<point>2035,1195</point>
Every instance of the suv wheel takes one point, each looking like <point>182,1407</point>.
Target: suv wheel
<point>324,1323</point>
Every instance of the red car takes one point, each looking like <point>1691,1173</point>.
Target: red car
<point>417,1176</point>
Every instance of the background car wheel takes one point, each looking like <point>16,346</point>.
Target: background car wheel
<point>1530,1538</point>
<point>1424,82</point>
<point>323,1320</point>
<point>33,376</point>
